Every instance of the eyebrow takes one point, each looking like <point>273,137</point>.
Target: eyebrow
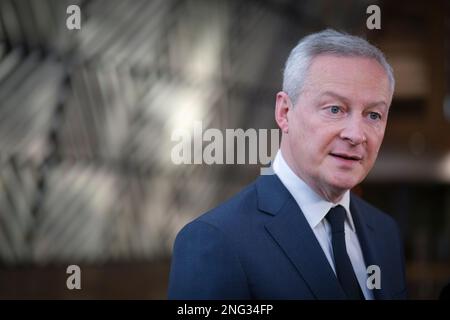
<point>347,101</point>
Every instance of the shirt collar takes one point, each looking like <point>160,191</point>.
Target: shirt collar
<point>313,206</point>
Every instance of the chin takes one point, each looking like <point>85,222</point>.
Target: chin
<point>344,183</point>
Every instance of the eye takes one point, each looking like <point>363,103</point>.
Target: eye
<point>374,116</point>
<point>335,109</point>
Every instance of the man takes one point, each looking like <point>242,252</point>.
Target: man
<point>301,234</point>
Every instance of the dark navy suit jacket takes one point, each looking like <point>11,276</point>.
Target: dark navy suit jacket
<point>259,245</point>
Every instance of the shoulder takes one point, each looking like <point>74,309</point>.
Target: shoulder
<point>235,210</point>
<point>240,216</point>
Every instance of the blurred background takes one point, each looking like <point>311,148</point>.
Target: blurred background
<point>87,116</point>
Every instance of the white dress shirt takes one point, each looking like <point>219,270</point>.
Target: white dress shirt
<point>315,208</point>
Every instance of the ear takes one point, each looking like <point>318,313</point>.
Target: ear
<point>283,103</point>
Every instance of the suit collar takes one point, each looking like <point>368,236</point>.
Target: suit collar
<point>366,231</point>
<point>271,194</point>
<point>293,234</point>
<point>291,231</point>
<point>313,206</point>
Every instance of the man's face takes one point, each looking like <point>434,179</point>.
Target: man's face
<point>336,128</point>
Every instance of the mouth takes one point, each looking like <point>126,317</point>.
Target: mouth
<point>345,156</point>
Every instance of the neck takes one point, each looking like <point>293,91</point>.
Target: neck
<point>328,193</point>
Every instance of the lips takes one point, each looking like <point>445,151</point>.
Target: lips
<point>346,156</point>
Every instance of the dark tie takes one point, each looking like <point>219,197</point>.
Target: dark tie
<point>343,266</point>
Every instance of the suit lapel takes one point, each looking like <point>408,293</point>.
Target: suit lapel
<point>290,229</point>
<point>365,229</point>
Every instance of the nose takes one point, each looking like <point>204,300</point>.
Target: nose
<point>353,132</point>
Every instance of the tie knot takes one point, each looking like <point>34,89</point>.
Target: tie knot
<point>336,218</point>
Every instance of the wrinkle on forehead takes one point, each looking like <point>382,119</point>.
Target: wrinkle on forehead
<point>351,77</point>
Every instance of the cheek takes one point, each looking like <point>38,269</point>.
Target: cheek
<point>309,136</point>
<point>312,138</point>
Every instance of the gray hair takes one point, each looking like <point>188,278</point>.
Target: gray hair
<point>327,42</point>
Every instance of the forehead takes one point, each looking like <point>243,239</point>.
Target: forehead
<point>349,76</point>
